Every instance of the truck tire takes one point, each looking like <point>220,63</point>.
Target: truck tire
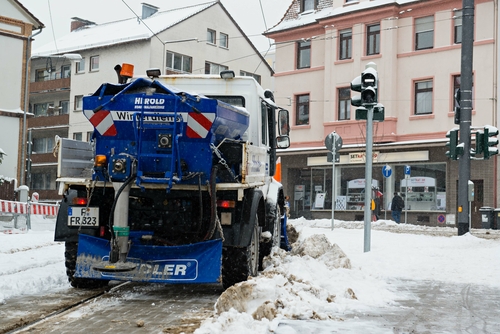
<point>275,229</point>
<point>240,262</point>
<point>70,252</point>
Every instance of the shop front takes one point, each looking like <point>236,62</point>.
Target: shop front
<point>420,176</point>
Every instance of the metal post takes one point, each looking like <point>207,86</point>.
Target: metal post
<point>465,113</point>
<point>368,178</point>
<point>406,201</point>
<point>333,179</point>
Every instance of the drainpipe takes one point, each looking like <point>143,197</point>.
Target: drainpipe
<point>26,94</point>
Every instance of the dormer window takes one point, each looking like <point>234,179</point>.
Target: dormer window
<point>308,5</point>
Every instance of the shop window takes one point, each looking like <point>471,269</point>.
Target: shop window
<point>424,33</point>
<point>423,97</point>
<point>373,39</point>
<point>302,109</point>
<point>303,54</point>
<point>345,46</point>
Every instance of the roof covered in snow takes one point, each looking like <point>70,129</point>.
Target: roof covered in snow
<point>294,18</point>
<point>123,31</point>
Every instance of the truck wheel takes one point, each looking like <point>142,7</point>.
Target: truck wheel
<point>275,229</point>
<point>240,262</point>
<point>70,252</point>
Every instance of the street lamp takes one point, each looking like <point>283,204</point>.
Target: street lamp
<point>69,56</point>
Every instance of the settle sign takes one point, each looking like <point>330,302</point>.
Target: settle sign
<point>360,157</point>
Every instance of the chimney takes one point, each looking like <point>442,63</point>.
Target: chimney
<point>77,23</point>
<point>148,10</point>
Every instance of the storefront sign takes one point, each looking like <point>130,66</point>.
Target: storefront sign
<point>359,157</point>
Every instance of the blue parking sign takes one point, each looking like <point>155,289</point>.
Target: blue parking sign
<point>407,170</point>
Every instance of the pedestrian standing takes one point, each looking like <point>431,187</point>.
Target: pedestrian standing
<point>397,206</point>
<point>287,206</point>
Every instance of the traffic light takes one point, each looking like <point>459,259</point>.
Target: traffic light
<point>489,144</point>
<point>457,108</point>
<point>479,142</point>
<point>454,150</point>
<point>356,86</point>
<point>369,86</point>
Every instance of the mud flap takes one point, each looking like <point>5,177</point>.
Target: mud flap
<point>195,263</point>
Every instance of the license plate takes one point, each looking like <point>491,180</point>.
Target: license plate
<point>83,216</point>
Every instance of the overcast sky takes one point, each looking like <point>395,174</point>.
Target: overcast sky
<point>249,14</point>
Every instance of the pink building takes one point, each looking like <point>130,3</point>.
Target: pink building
<point>322,45</point>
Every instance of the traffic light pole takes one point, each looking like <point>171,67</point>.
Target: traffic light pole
<point>368,178</point>
<point>465,114</point>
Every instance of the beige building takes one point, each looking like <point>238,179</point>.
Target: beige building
<point>322,45</point>
<point>18,27</point>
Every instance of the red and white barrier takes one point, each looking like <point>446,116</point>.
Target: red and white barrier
<point>44,209</point>
<point>13,207</point>
<point>32,208</point>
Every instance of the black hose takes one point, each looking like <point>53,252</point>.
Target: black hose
<point>213,203</point>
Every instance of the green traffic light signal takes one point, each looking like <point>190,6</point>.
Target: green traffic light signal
<point>489,144</point>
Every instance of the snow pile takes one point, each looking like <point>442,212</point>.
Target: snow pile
<point>313,281</point>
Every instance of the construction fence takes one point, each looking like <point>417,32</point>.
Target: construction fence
<point>15,216</point>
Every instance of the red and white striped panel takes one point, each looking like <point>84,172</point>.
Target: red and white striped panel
<point>198,124</point>
<point>102,122</point>
<point>44,209</point>
<point>13,207</point>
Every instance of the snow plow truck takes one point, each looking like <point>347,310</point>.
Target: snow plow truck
<point>176,185</point>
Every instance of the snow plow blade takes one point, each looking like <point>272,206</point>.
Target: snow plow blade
<point>192,263</point>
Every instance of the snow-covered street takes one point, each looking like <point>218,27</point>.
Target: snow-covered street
<point>326,283</point>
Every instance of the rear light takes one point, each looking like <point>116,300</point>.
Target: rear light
<point>80,201</point>
<point>100,161</point>
<point>102,231</point>
<point>225,204</point>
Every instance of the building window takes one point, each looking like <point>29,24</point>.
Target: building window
<point>43,145</point>
<point>89,135</point>
<point>94,63</point>
<point>179,62</point>
<point>41,109</point>
<point>302,109</point>
<point>223,40</point>
<point>65,71</point>
<point>64,107</point>
<point>345,47</point>
<point>308,5</point>
<point>77,136</point>
<point>253,75</point>
<point>344,97</point>
<point>212,68</point>
<point>457,19</point>
<point>78,102</point>
<point>42,181</point>
<point>41,75</point>
<point>211,36</point>
<point>423,97</point>
<point>424,33</point>
<point>373,39</point>
<point>304,54</point>
<point>80,66</point>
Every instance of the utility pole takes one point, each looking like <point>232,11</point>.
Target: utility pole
<point>465,114</point>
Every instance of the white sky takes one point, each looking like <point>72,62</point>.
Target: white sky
<point>302,282</point>
<point>247,14</point>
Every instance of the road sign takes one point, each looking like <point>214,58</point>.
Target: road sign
<point>386,171</point>
<point>407,171</point>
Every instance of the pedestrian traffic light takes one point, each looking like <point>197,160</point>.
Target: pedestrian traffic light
<point>454,149</point>
<point>356,86</point>
<point>489,143</point>
<point>369,86</point>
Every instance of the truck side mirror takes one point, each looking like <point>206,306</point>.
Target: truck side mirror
<point>283,142</point>
<point>283,122</point>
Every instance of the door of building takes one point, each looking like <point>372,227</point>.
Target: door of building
<point>476,204</point>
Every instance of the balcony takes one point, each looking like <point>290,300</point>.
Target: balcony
<point>48,121</point>
<point>48,86</point>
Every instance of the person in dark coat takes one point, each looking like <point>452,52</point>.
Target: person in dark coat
<point>397,206</point>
